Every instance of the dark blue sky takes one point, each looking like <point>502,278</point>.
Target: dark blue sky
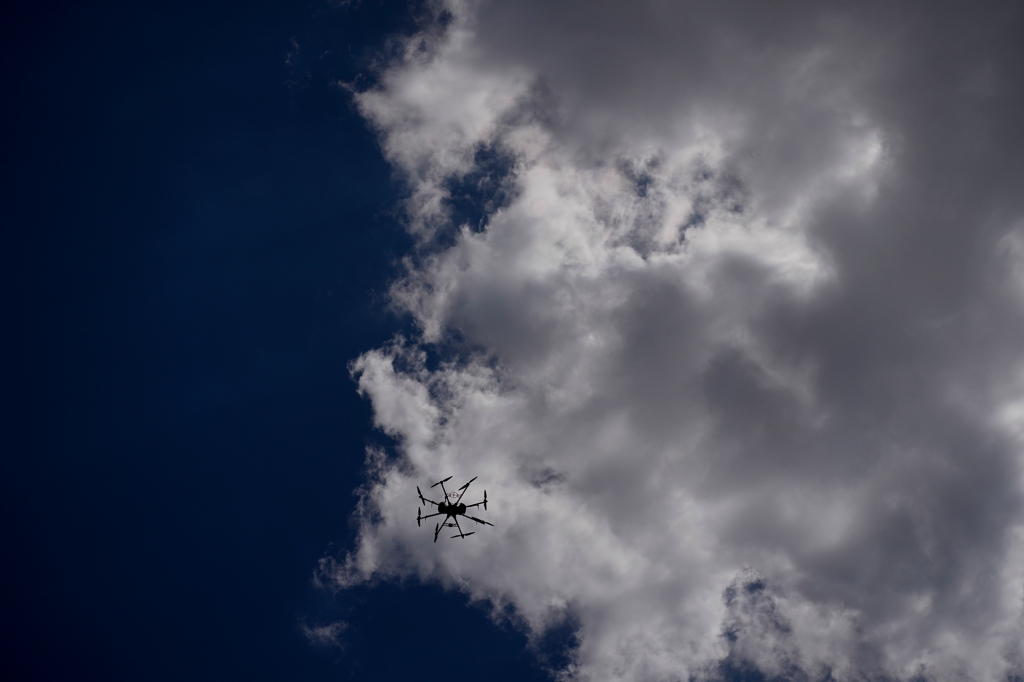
<point>197,236</point>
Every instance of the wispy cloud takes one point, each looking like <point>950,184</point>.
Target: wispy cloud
<point>325,635</point>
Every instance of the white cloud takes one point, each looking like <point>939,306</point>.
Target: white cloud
<point>727,352</point>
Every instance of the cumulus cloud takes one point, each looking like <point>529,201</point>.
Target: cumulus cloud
<point>727,299</point>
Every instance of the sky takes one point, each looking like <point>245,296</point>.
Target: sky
<point>723,303</point>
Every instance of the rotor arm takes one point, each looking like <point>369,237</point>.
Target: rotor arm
<point>441,483</point>
<point>423,499</point>
<point>464,489</point>
<point>477,504</point>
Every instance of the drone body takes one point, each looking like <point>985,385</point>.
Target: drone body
<point>451,510</point>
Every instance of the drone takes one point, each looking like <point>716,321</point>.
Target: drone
<point>451,510</point>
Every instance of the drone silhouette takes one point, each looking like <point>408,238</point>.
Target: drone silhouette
<point>451,510</point>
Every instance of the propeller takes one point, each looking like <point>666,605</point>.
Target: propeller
<point>463,535</point>
<point>467,485</point>
<point>485,500</point>
<point>486,523</point>
<point>418,517</point>
<point>440,482</point>
<point>437,529</point>
<point>418,492</point>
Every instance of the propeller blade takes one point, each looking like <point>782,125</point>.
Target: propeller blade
<point>485,500</point>
<point>486,523</point>
<point>437,529</point>
<point>418,517</point>
<point>440,482</point>
<point>470,481</point>
<point>464,535</point>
